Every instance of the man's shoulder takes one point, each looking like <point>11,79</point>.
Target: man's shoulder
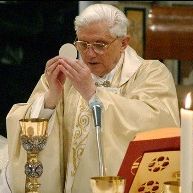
<point>154,64</point>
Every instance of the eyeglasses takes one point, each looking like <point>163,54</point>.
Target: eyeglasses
<point>99,48</point>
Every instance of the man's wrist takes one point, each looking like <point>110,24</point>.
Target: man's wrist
<point>91,94</point>
<point>49,102</point>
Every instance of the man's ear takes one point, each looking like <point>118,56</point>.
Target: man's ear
<point>124,42</point>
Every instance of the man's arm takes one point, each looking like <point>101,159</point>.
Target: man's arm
<point>38,110</point>
<point>5,180</point>
<point>4,175</point>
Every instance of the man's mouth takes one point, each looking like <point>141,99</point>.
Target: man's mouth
<point>93,63</point>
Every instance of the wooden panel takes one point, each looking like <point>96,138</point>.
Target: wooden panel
<point>169,33</point>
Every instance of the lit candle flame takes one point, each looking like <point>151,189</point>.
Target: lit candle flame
<point>188,101</point>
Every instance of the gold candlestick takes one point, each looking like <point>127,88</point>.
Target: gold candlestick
<point>33,138</point>
<point>107,184</point>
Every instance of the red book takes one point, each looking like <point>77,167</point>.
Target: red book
<point>166,139</point>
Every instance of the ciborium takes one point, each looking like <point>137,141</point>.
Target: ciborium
<point>33,138</point>
<point>107,184</point>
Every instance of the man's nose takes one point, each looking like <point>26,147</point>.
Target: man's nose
<point>90,51</point>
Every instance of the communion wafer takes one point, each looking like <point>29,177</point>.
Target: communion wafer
<point>68,50</point>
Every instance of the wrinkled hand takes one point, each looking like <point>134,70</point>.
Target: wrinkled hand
<point>80,76</point>
<point>55,79</point>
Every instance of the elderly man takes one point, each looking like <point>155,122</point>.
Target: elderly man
<point>136,95</point>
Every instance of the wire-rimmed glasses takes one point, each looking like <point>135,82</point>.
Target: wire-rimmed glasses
<point>99,48</point>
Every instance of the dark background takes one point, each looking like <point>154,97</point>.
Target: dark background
<point>31,32</point>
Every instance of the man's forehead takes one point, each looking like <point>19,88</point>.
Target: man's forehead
<point>95,36</point>
<point>98,27</point>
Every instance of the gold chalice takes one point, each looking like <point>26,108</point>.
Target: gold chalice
<point>171,187</point>
<point>33,138</point>
<point>107,184</point>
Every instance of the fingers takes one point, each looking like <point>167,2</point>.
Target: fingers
<point>52,64</point>
<point>51,61</point>
<point>66,73</point>
<point>75,70</point>
<point>80,64</point>
<point>71,71</point>
<point>74,67</point>
<point>75,64</point>
<point>55,71</point>
<point>49,70</point>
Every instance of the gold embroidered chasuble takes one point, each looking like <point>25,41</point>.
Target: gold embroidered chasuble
<point>142,97</point>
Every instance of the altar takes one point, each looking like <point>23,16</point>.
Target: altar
<point>151,163</point>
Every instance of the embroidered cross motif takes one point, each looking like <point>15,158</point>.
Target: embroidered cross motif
<point>106,83</point>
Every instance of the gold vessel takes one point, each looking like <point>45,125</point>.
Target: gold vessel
<point>107,184</point>
<point>171,187</point>
<point>33,138</point>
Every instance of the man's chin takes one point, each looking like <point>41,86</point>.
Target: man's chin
<point>98,74</point>
<point>96,71</point>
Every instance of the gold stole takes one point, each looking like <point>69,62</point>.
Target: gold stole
<point>79,139</point>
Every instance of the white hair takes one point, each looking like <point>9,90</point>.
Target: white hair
<point>115,18</point>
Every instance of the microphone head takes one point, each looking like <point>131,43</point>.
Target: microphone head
<point>95,102</point>
<point>96,109</point>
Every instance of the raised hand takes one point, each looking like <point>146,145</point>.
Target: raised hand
<point>56,79</point>
<point>80,76</point>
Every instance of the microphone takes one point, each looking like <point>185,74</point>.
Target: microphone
<point>96,110</point>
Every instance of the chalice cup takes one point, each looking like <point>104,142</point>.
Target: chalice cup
<point>108,184</point>
<point>33,138</point>
<point>171,187</point>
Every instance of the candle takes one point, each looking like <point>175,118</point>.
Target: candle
<point>186,147</point>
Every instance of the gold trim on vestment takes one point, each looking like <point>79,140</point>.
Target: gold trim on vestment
<point>80,135</point>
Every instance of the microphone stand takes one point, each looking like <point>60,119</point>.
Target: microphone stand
<point>96,108</point>
<point>103,183</point>
<point>100,152</point>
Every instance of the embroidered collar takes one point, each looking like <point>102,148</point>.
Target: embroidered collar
<point>107,78</point>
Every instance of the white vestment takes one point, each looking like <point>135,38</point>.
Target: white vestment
<point>142,97</point>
